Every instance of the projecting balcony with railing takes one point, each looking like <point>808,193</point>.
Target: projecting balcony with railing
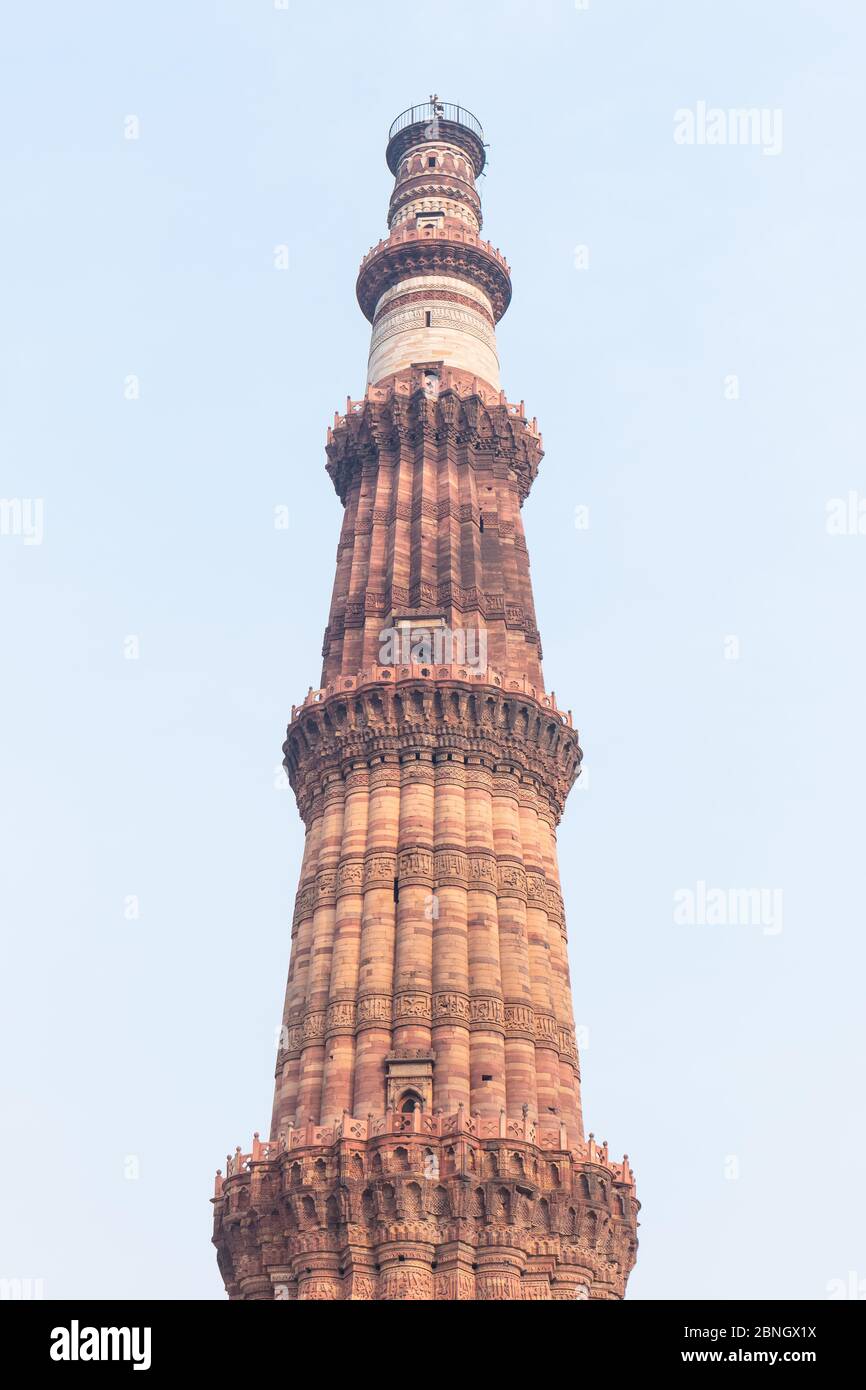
<point>436,110</point>
<point>436,120</point>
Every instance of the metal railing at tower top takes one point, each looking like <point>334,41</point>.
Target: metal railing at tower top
<point>430,111</point>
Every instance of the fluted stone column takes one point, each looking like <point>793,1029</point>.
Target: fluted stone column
<point>318,1276</point>
<point>413,956</point>
<point>499,1267</point>
<point>406,1271</point>
<point>286,1095</point>
<point>450,939</point>
<point>338,1082</point>
<point>569,1075</point>
<point>378,922</point>
<point>539,944</point>
<point>520,1082</point>
<point>318,978</point>
<point>487,1035</point>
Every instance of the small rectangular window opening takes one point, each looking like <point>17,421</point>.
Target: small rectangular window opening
<point>428,319</point>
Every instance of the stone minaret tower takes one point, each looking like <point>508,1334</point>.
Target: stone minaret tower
<point>427,1139</point>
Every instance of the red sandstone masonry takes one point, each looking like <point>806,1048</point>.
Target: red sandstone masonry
<point>427,1140</point>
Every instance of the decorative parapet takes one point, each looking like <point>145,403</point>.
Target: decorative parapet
<point>406,383</point>
<point>387,711</point>
<point>447,401</point>
<point>411,234</point>
<point>540,1133</point>
<point>419,251</point>
<point>377,675</point>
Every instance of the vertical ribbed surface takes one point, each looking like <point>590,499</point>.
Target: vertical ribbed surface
<point>487,1046</point>
<point>450,939</point>
<point>427,1138</point>
<point>423,929</point>
<point>424,923</point>
<point>433,529</point>
<point>378,937</point>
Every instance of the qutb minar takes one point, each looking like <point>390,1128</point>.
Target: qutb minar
<point>427,1139</point>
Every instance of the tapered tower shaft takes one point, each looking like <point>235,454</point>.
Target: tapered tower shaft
<point>427,1139</point>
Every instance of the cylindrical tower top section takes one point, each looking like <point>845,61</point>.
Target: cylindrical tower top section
<point>436,120</point>
<point>433,290</point>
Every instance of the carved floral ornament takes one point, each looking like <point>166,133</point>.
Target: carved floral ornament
<point>429,868</point>
<point>476,1011</point>
<point>467,601</point>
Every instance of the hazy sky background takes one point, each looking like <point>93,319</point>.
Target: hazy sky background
<point>151,1042</point>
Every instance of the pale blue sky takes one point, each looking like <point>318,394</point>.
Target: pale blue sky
<point>155,1038</point>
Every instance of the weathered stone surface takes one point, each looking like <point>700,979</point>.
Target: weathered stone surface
<point>421,1208</point>
<point>427,1140</point>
